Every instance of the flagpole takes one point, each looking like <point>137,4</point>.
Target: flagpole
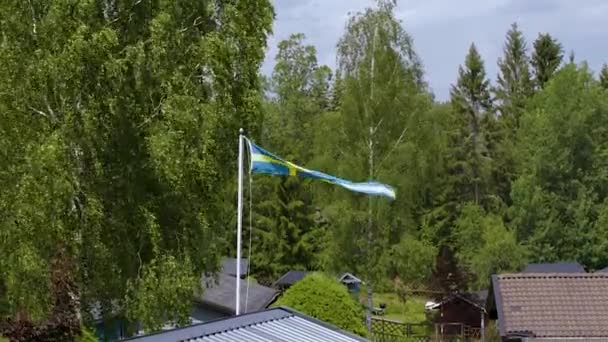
<point>239,224</point>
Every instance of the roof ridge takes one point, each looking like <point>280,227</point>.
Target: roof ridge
<point>262,321</point>
<point>551,275</point>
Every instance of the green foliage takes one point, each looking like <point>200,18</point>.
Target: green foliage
<point>117,139</point>
<point>486,246</point>
<point>513,90</point>
<point>471,104</point>
<point>301,87</point>
<point>514,83</point>
<point>560,194</point>
<point>466,175</point>
<point>287,236</point>
<point>604,76</point>
<point>381,131</point>
<point>546,58</point>
<point>87,336</point>
<point>324,298</point>
<point>413,261</point>
<point>162,294</point>
<point>410,311</point>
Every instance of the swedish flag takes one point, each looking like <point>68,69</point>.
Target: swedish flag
<point>263,161</point>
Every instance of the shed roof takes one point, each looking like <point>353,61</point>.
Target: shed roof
<point>556,267</point>
<point>552,305</point>
<point>291,277</point>
<point>348,278</point>
<point>477,299</point>
<point>220,293</point>
<point>229,266</point>
<point>273,325</point>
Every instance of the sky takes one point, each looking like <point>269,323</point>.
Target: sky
<point>444,29</point>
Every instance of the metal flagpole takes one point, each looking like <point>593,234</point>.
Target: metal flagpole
<point>239,224</point>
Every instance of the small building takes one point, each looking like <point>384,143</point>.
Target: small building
<point>289,278</point>
<point>273,325</point>
<point>550,306</point>
<point>352,283</point>
<point>460,313</point>
<point>556,267</point>
<point>219,300</point>
<point>229,267</point>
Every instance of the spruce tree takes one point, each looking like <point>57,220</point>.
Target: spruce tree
<point>546,58</point>
<point>471,103</point>
<point>604,76</point>
<point>514,84</point>
<point>514,88</point>
<point>286,234</point>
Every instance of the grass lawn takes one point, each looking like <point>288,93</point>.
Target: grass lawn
<point>410,312</point>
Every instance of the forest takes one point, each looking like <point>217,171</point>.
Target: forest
<point>119,124</point>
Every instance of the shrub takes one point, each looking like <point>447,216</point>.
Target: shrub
<point>324,298</point>
<point>86,335</point>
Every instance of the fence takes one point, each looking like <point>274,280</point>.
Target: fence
<point>385,330</point>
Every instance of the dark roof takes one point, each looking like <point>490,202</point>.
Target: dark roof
<point>273,325</point>
<point>221,295</point>
<point>480,296</point>
<point>552,305</point>
<point>557,267</point>
<point>291,277</point>
<point>477,299</point>
<point>348,278</point>
<point>229,266</point>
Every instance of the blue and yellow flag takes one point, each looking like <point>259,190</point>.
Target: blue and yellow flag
<point>263,161</point>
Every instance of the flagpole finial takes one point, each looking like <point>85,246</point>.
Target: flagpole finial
<point>241,131</point>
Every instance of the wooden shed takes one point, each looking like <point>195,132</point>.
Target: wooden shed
<point>461,314</point>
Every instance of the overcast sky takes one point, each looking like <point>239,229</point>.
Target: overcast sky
<point>444,29</point>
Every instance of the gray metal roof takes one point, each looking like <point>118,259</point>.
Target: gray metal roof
<point>291,277</point>
<point>219,292</point>
<point>556,267</point>
<point>273,325</point>
<point>229,266</point>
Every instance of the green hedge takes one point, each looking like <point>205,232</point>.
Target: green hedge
<point>324,298</point>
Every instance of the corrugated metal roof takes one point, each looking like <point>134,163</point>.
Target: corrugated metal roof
<point>293,328</point>
<point>273,325</point>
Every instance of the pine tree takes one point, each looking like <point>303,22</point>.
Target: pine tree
<point>514,88</point>
<point>287,234</point>
<point>471,103</point>
<point>514,84</point>
<point>546,58</point>
<point>604,76</point>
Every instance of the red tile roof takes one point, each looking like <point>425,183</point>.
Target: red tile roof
<point>552,304</point>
